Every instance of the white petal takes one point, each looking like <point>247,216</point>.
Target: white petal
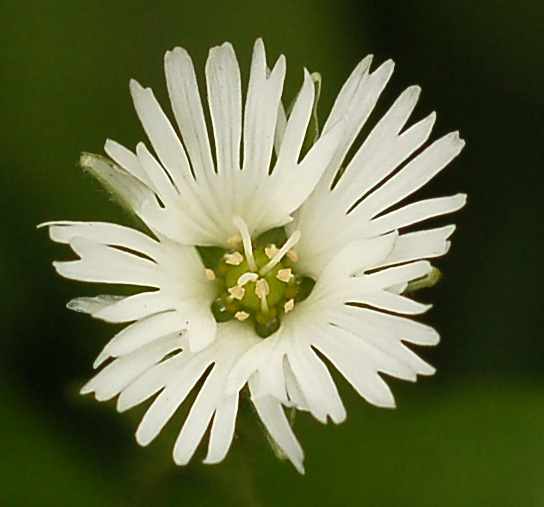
<point>178,226</point>
<point>225,100</point>
<point>145,331</point>
<point>271,380</point>
<point>361,255</point>
<point>169,400</point>
<point>295,130</point>
<point>281,123</point>
<point>161,134</point>
<point>298,183</point>
<point>294,392</point>
<point>187,107</point>
<point>354,104</point>
<point>365,381</point>
<point>383,338</point>
<point>420,245</point>
<point>385,300</point>
<point>121,372</point>
<point>199,416</point>
<point>222,431</point>
<point>362,343</point>
<point>389,277</point>
<point>384,149</point>
<point>274,420</point>
<point>158,175</point>
<point>416,212</point>
<point>201,326</point>
<point>152,381</point>
<point>105,264</point>
<point>246,366</point>
<point>136,307</point>
<point>94,304</point>
<point>394,326</point>
<point>412,177</point>
<point>402,353</point>
<point>105,234</point>
<point>316,384</point>
<point>261,111</point>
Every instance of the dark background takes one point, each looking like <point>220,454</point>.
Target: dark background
<point>470,435</point>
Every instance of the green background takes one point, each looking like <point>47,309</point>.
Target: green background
<point>470,435</point>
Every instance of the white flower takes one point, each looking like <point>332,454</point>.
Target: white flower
<point>263,314</point>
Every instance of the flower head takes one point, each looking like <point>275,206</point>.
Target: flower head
<point>264,256</point>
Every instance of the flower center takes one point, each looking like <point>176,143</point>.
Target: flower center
<point>257,281</point>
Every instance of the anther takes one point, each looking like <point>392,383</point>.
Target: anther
<point>292,256</point>
<point>241,316</point>
<point>262,289</point>
<point>210,275</point>
<point>291,242</point>
<point>289,305</point>
<point>234,259</point>
<point>237,292</point>
<point>234,240</point>
<point>270,251</point>
<point>284,275</point>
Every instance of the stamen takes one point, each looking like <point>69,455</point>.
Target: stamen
<point>262,289</point>
<point>291,242</point>
<point>271,250</point>
<point>237,292</point>
<point>289,305</point>
<point>210,275</point>
<point>234,259</point>
<point>241,316</point>
<point>284,275</point>
<point>246,240</point>
<point>234,240</point>
<point>247,277</point>
<point>292,256</point>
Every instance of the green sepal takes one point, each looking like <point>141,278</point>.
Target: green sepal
<point>312,132</point>
<point>429,280</point>
<point>211,256</point>
<point>100,167</point>
<point>276,449</point>
<point>276,236</point>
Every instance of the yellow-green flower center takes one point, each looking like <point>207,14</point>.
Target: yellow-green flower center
<point>258,287</point>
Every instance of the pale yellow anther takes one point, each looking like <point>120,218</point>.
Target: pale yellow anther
<point>234,240</point>
<point>234,259</point>
<point>287,246</point>
<point>262,289</point>
<point>271,250</point>
<point>284,275</point>
<point>289,305</point>
<point>210,275</point>
<point>292,255</point>
<point>241,316</point>
<point>237,292</point>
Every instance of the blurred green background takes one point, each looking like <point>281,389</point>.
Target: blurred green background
<point>471,435</point>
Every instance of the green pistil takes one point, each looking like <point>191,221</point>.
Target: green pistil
<point>248,307</point>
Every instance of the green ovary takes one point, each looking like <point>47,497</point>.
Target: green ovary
<point>247,305</point>
<point>250,300</point>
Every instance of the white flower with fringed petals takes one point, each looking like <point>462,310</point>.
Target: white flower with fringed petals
<point>263,256</point>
